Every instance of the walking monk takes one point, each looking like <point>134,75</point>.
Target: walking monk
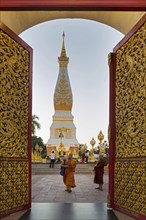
<point>99,171</point>
<point>68,178</point>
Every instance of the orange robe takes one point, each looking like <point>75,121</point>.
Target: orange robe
<point>68,178</point>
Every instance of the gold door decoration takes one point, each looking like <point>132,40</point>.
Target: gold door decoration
<point>14,105</point>
<point>131,123</point>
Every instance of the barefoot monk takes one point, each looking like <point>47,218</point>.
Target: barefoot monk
<point>68,178</point>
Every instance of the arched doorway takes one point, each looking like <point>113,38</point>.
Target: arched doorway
<point>19,21</point>
<point>75,30</point>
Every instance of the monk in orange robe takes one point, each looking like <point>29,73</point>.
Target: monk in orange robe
<point>68,178</point>
<point>99,171</point>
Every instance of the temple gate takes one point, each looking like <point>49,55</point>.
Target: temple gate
<point>127,173</point>
<point>127,123</point>
<point>15,122</point>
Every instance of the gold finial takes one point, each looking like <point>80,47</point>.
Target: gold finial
<point>63,59</point>
<point>63,51</point>
<point>63,35</point>
<point>100,136</point>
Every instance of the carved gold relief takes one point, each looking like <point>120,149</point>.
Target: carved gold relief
<point>14,101</point>
<point>14,87</point>
<point>63,94</point>
<point>130,97</point>
<point>14,185</point>
<point>130,105</point>
<point>130,186</point>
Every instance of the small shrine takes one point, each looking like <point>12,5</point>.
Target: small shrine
<point>36,155</point>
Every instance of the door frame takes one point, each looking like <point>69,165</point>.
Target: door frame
<point>73,5</point>
<point>82,5</point>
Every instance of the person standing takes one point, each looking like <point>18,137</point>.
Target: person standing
<point>98,172</point>
<point>87,156</point>
<point>83,157</point>
<point>68,177</point>
<point>52,157</point>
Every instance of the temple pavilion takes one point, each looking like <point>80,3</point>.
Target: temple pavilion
<point>63,131</point>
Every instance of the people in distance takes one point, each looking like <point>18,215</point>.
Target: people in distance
<point>52,157</point>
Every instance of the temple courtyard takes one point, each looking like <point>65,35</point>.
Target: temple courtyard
<point>50,188</point>
<point>85,202</point>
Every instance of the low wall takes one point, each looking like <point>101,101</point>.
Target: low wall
<point>43,168</point>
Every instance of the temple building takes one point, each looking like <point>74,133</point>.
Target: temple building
<point>63,131</point>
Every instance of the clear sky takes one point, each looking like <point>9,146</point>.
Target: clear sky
<point>87,44</point>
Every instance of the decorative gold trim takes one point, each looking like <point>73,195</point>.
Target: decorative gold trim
<point>109,58</point>
<point>108,201</point>
<point>109,133</point>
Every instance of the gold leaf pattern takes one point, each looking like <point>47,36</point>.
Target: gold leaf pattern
<point>130,185</point>
<point>14,185</point>
<point>63,94</point>
<point>14,101</point>
<point>130,103</point>
<point>130,97</point>
<point>14,87</point>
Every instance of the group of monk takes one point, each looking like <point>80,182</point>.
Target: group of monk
<point>70,166</point>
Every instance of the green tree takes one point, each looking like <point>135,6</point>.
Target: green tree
<point>35,124</point>
<point>37,140</point>
<point>44,152</point>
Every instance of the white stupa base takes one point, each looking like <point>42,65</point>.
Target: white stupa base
<point>66,142</point>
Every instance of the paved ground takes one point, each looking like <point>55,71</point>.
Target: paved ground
<point>50,189</point>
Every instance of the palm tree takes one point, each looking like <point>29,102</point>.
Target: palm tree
<point>35,124</point>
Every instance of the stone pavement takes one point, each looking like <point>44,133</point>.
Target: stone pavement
<point>50,188</point>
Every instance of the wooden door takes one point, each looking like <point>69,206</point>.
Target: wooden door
<point>15,122</point>
<point>127,168</point>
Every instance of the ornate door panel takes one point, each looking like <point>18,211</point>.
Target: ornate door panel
<point>15,122</point>
<point>127,123</point>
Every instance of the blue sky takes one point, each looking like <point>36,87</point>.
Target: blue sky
<point>87,44</point>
